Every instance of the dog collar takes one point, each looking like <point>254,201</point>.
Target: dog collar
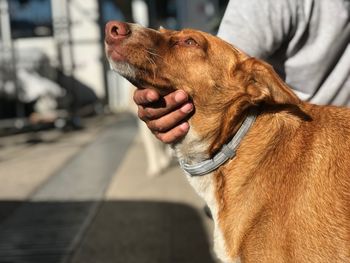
<point>227,152</point>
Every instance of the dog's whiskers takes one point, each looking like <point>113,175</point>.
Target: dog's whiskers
<point>153,66</point>
<point>154,53</point>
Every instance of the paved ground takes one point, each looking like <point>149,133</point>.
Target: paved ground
<point>83,197</point>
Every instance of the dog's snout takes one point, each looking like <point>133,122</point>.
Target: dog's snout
<point>116,30</point>
<point>119,29</point>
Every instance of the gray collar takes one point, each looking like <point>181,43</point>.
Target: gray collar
<point>227,152</point>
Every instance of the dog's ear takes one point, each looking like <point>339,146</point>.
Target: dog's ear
<point>263,84</point>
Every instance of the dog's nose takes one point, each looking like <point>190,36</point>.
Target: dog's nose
<point>116,30</point>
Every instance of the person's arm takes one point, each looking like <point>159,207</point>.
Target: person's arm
<point>258,27</point>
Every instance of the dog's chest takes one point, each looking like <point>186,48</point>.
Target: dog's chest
<point>205,188</point>
<point>192,149</point>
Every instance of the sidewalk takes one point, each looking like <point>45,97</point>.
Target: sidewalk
<point>100,207</point>
<point>147,220</point>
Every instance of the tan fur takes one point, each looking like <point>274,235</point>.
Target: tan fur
<point>285,197</point>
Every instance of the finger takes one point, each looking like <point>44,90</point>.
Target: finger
<point>145,96</point>
<point>170,120</point>
<point>165,105</point>
<point>174,134</point>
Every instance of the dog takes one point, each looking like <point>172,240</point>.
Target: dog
<point>274,170</point>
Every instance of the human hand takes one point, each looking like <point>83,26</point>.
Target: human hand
<point>165,115</point>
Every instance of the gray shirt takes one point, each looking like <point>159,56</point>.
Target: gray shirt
<point>307,42</point>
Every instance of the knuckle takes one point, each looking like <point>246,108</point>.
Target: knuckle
<point>177,134</point>
<point>141,113</point>
<point>172,103</point>
<point>169,139</point>
<point>160,128</point>
<point>136,97</point>
<point>178,116</point>
<point>159,136</point>
<point>148,113</point>
<point>152,126</point>
<point>156,126</point>
<point>163,137</point>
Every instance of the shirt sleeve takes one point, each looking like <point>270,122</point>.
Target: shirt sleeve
<point>258,27</point>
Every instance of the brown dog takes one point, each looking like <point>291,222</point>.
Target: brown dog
<point>285,196</point>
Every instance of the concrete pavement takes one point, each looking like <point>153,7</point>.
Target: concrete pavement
<point>147,220</point>
<point>94,203</point>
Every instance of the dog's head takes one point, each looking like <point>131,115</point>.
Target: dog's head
<point>221,79</point>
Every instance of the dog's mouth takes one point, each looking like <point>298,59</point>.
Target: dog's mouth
<point>115,53</point>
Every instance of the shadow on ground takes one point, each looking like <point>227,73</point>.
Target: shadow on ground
<point>116,231</point>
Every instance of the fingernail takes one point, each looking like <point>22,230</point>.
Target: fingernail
<point>184,126</point>
<point>187,108</point>
<point>180,96</point>
<point>151,97</point>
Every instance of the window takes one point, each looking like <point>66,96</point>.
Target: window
<point>30,18</point>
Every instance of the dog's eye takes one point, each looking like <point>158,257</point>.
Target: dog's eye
<point>191,42</point>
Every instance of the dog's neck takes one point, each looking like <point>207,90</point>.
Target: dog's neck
<point>193,151</point>
<point>193,148</point>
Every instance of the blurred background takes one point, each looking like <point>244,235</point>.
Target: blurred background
<point>73,166</point>
<point>52,64</point>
